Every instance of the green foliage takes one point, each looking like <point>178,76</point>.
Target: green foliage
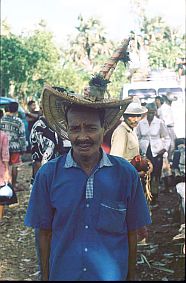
<point>30,60</point>
<point>165,45</point>
<point>163,55</point>
<point>13,60</point>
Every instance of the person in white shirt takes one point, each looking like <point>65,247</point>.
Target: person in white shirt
<point>154,141</point>
<point>166,114</point>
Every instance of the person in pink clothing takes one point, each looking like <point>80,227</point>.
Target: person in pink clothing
<point>4,164</point>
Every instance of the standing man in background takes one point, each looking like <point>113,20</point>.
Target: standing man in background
<point>166,114</point>
<point>154,141</point>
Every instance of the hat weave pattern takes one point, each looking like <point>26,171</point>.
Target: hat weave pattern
<point>54,101</point>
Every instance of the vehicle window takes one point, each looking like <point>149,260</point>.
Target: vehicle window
<point>174,90</point>
<point>142,93</point>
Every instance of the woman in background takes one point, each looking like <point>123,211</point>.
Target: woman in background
<point>4,164</point>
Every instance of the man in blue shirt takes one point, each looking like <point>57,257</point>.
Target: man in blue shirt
<point>87,205</point>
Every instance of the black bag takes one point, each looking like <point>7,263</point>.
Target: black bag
<point>10,198</point>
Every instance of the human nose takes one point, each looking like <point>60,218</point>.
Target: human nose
<point>136,119</point>
<point>82,134</point>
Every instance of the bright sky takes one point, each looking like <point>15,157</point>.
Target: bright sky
<point>61,15</point>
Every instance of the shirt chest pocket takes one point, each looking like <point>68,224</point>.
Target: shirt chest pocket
<point>111,217</point>
<point>132,142</point>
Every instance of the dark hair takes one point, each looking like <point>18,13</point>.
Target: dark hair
<point>126,116</point>
<point>82,108</point>
<point>31,102</point>
<point>179,141</point>
<point>160,98</point>
<point>6,108</point>
<point>13,107</point>
<point>1,113</point>
<point>151,106</point>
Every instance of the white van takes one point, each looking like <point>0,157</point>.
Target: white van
<point>148,90</point>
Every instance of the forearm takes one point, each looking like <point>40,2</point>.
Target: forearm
<point>7,177</point>
<point>30,116</point>
<point>132,240</point>
<point>36,166</point>
<point>6,163</point>
<point>44,250</point>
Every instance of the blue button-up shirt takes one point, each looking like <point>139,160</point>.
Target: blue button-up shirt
<point>90,216</point>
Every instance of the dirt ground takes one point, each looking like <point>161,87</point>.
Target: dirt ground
<point>159,259</point>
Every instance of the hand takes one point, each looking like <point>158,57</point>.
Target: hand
<point>142,174</point>
<point>161,152</point>
<point>7,177</point>
<point>150,166</point>
<point>142,233</point>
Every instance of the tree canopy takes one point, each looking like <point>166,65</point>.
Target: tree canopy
<point>30,60</point>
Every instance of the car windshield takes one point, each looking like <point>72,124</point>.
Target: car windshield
<point>174,90</point>
<point>142,93</point>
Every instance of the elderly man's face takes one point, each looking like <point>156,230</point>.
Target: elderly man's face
<point>132,121</point>
<point>85,133</point>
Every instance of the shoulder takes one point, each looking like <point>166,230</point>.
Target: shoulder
<point>17,119</point>
<point>157,120</point>
<point>39,124</point>
<point>52,165</point>
<point>120,129</point>
<point>5,118</point>
<point>142,122</point>
<point>122,164</point>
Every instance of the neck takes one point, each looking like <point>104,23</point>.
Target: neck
<point>128,125</point>
<point>87,163</point>
<point>150,120</point>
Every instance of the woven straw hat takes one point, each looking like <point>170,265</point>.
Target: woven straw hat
<point>56,101</point>
<point>135,107</point>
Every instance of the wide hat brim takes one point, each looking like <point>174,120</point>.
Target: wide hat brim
<point>54,104</point>
<point>136,110</point>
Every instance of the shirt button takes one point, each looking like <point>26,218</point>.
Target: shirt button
<point>84,269</point>
<point>86,226</point>
<point>86,250</point>
<point>87,205</point>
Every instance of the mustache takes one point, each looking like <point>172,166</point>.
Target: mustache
<point>83,142</point>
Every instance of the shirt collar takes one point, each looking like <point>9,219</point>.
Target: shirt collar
<point>127,127</point>
<point>70,162</point>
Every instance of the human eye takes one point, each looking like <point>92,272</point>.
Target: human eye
<point>74,129</point>
<point>91,128</point>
